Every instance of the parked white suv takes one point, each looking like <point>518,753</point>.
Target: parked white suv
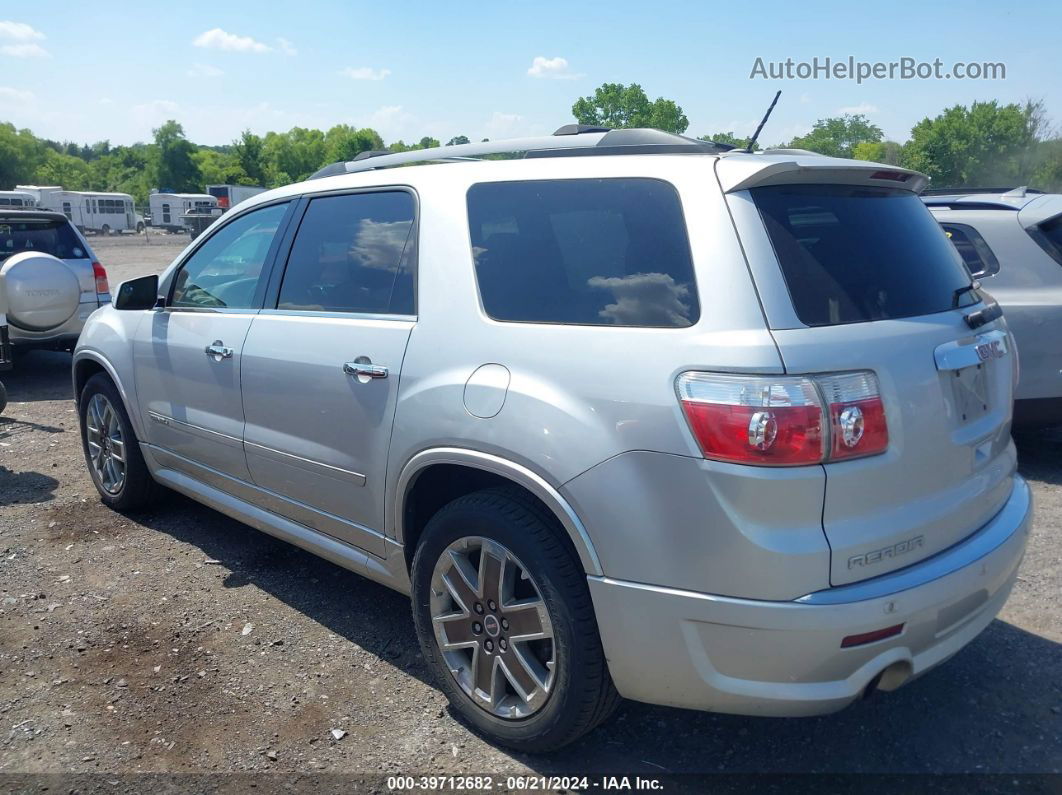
<point>630,415</point>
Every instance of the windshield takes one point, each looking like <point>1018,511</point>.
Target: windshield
<point>43,235</point>
<point>851,254</point>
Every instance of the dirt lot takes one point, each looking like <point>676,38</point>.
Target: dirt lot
<point>180,640</point>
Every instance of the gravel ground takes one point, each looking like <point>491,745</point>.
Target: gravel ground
<point>179,640</point>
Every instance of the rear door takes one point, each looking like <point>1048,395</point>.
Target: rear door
<point>321,366</point>
<point>187,357</point>
<point>862,278</point>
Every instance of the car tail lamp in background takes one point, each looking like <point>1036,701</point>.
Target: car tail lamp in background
<point>100,274</point>
<point>784,420</point>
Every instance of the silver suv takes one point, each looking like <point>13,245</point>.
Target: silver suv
<point>1012,243</point>
<point>674,422</point>
<point>50,279</point>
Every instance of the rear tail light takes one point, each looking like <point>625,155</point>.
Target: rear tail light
<point>857,415</point>
<point>100,274</point>
<point>784,420</point>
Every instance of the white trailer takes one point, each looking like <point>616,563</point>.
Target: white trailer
<point>89,211</point>
<point>17,198</point>
<point>229,196</point>
<point>168,209</point>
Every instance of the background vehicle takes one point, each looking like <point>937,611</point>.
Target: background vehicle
<point>228,196</point>
<point>605,452</point>
<point>168,210</point>
<point>50,279</point>
<point>5,354</point>
<point>1011,241</point>
<point>16,198</point>
<point>103,213</point>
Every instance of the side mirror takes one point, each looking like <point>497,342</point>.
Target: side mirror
<point>142,293</point>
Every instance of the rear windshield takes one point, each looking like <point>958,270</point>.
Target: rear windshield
<point>851,254</point>
<point>595,252</point>
<point>43,235</point>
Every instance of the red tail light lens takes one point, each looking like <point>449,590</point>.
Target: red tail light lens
<point>770,421</point>
<point>857,415</point>
<point>784,420</point>
<point>100,273</point>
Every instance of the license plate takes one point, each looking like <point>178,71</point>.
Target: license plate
<point>970,386</point>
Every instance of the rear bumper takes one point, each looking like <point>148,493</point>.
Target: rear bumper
<point>694,650</point>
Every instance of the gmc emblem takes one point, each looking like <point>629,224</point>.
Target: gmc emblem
<point>991,350</point>
<point>885,553</point>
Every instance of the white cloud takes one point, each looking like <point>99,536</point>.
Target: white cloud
<point>204,70</point>
<point>152,114</point>
<point>18,31</point>
<point>218,39</point>
<point>286,46</point>
<point>394,122</point>
<point>13,96</point>
<point>504,125</point>
<point>22,40</point>
<point>556,68</point>
<point>29,50</point>
<point>365,73</point>
<point>864,108</point>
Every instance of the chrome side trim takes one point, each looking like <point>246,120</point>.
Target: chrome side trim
<point>1013,518</point>
<point>197,430</point>
<point>507,469</point>
<point>356,478</point>
<point>329,524</point>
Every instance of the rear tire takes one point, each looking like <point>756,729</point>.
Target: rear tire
<point>541,591</point>
<point>112,452</point>
<point>140,229</point>
<point>3,397</point>
<point>106,230</point>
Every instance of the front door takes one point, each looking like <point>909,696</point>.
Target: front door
<point>321,369</point>
<point>187,357</point>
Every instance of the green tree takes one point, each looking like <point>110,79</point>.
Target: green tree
<point>248,151</point>
<point>729,138</point>
<point>984,144</point>
<point>20,155</point>
<point>343,143</point>
<point>838,135</point>
<point>60,168</point>
<point>458,139</point>
<point>220,168</point>
<point>292,156</point>
<point>427,142</point>
<point>171,164</point>
<point>616,105</point>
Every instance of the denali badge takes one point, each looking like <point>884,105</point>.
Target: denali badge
<point>878,555</point>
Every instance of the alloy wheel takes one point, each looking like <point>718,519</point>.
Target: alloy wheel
<point>106,447</point>
<point>492,627</point>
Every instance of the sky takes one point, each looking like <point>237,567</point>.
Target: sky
<point>498,69</point>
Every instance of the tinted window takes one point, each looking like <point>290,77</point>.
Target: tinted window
<point>973,249</point>
<point>606,252</point>
<point>852,254</point>
<point>352,253</point>
<point>42,235</point>
<point>1049,237</point>
<point>226,271</point>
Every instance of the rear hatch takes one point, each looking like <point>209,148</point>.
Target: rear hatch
<point>855,275</point>
<point>48,233</point>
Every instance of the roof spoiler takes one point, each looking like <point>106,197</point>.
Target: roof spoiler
<point>744,173</point>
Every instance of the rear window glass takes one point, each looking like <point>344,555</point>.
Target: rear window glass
<point>1049,236</point>
<point>45,236</point>
<point>852,254</point>
<point>603,252</point>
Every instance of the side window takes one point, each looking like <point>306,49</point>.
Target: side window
<point>597,252</point>
<point>165,213</point>
<point>976,254</point>
<point>353,253</point>
<point>226,271</point>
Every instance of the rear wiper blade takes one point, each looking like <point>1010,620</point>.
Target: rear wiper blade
<point>971,287</point>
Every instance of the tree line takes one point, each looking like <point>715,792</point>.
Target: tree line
<point>985,144</point>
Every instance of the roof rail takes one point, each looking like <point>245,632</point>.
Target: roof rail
<point>570,140</point>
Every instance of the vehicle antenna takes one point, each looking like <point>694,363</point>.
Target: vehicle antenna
<point>767,115</point>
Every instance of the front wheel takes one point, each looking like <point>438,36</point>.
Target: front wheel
<point>106,230</point>
<point>140,229</point>
<point>112,451</point>
<point>504,619</point>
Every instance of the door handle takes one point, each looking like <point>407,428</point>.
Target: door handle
<point>364,371</point>
<point>218,351</point>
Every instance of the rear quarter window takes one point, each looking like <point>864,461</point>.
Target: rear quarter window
<point>975,252</point>
<point>598,252</point>
<point>852,254</point>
